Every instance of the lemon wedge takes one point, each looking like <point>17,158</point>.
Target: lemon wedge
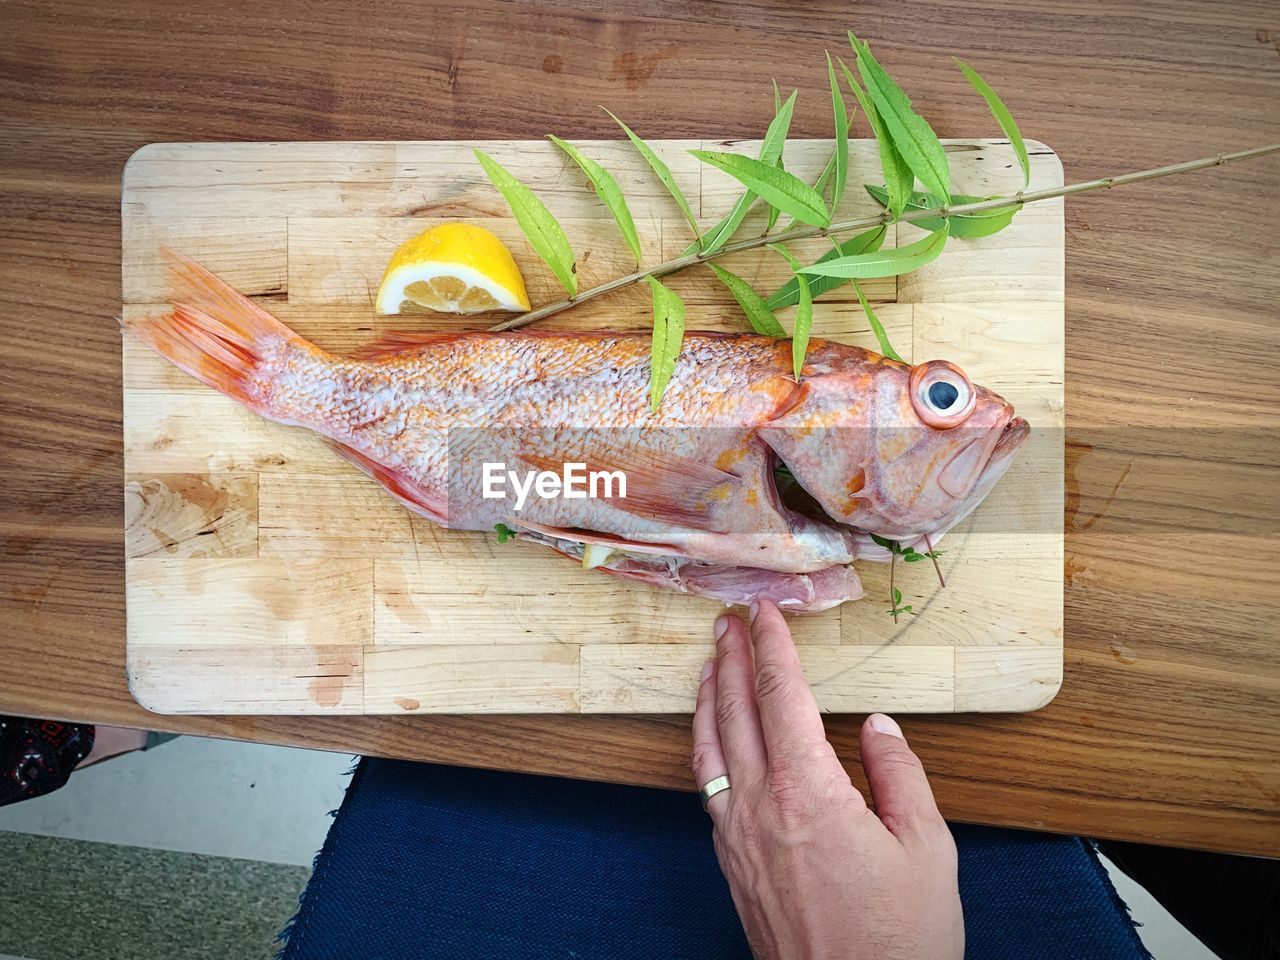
<point>453,268</point>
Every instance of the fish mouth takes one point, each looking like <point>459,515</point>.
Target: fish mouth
<point>983,458</point>
<point>1013,436</point>
<point>1011,439</point>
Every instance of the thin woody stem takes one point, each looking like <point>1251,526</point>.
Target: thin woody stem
<point>893,597</point>
<point>936,569</point>
<point>844,226</point>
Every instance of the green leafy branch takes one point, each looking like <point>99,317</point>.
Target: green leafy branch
<point>910,151</point>
<point>908,555</point>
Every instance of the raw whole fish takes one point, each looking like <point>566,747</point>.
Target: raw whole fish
<point>744,484</point>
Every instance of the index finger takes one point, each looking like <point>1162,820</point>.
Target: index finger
<point>788,711</point>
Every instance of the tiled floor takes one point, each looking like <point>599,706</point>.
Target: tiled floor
<point>66,899</point>
<point>195,849</point>
<point>216,797</point>
<point>271,804</point>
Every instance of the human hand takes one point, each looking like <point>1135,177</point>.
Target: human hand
<point>814,873</point>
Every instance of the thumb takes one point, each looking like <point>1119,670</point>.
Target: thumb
<point>899,787</point>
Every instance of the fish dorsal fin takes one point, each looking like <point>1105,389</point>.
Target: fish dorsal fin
<point>403,487</point>
<point>402,341</point>
<point>392,342</point>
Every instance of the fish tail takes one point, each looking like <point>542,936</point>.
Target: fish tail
<point>217,334</point>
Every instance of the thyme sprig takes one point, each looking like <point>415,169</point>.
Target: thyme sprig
<point>908,555</point>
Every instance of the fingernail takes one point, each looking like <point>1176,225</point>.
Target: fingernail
<point>755,608</point>
<point>722,626</point>
<point>882,724</point>
<point>706,670</point>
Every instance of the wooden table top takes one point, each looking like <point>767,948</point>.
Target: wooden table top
<point>1167,728</point>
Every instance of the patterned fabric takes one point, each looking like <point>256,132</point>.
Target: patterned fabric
<point>37,756</point>
<point>430,861</point>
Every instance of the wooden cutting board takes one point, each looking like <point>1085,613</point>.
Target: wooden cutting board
<point>266,575</point>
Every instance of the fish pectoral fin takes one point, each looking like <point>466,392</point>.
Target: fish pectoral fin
<point>398,483</point>
<point>596,538</point>
<point>663,487</point>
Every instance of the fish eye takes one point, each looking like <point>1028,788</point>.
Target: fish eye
<point>942,395</point>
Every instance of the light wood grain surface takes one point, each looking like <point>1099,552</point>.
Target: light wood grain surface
<point>254,538</point>
<point>1168,724</point>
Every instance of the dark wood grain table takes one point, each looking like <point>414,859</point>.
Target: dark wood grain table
<point>1167,728</point>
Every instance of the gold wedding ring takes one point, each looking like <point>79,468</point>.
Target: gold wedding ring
<point>711,788</point>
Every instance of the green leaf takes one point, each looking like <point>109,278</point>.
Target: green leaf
<point>504,532</point>
<point>774,211</point>
<point>1003,117</point>
<point>911,556</point>
<point>784,190</point>
<point>882,335</point>
<point>819,185</point>
<point>663,172</point>
<point>718,235</point>
<point>545,234</point>
<point>771,153</point>
<point>668,334</point>
<point>891,545</point>
<point>897,174</point>
<point>911,133</point>
<point>758,313</point>
<point>789,293</point>
<point>823,178</point>
<point>804,313</point>
<point>777,108</point>
<point>883,263</point>
<point>897,596</point>
<point>608,191</point>
<point>775,138</point>
<point>841,120</point>
<point>801,329</point>
<point>965,225</point>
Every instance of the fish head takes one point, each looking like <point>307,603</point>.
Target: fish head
<point>896,450</point>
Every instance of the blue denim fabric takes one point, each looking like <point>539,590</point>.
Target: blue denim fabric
<point>427,861</point>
